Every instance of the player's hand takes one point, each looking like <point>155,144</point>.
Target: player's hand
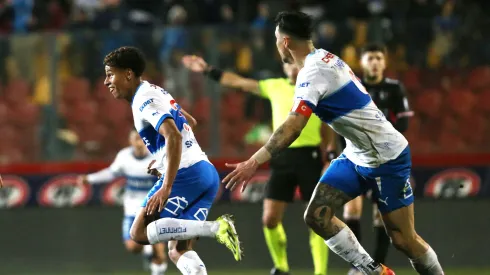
<point>153,171</point>
<point>157,202</point>
<point>241,175</point>
<point>194,63</point>
<point>1,182</point>
<point>82,179</point>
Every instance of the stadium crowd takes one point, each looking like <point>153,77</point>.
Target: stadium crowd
<point>53,105</point>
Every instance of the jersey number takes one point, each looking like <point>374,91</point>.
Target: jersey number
<point>357,81</point>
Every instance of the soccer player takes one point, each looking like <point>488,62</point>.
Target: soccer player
<point>299,165</point>
<point>377,156</point>
<point>176,208</point>
<point>131,163</point>
<point>390,97</point>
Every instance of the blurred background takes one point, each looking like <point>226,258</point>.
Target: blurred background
<point>58,120</point>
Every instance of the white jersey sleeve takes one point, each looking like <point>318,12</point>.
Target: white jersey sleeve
<point>311,84</point>
<point>155,108</point>
<point>117,166</point>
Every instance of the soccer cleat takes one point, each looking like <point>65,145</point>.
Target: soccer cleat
<point>386,271</point>
<point>276,271</point>
<point>228,236</point>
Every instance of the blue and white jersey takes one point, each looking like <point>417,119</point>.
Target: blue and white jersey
<point>151,106</point>
<point>329,87</point>
<point>138,181</point>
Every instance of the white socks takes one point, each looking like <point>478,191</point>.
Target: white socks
<point>158,269</point>
<point>427,264</point>
<point>147,250</point>
<point>345,245</point>
<point>189,263</point>
<point>168,229</point>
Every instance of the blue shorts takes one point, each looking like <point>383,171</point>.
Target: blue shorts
<point>390,182</point>
<point>192,194</point>
<point>126,226</point>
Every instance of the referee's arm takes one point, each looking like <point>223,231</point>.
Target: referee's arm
<point>402,110</point>
<point>225,78</point>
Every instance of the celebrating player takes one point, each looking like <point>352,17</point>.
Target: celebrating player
<point>131,163</point>
<point>377,156</point>
<point>181,199</point>
<point>299,165</point>
<point>389,96</point>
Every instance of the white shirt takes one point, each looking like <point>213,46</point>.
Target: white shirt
<point>329,87</point>
<point>151,106</point>
<point>138,181</point>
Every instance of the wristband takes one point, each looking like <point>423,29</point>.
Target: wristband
<point>214,73</point>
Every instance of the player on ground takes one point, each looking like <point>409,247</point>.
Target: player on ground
<point>377,156</point>
<point>131,163</point>
<point>181,199</point>
<point>390,97</point>
<point>299,165</point>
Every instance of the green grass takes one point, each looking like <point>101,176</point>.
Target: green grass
<point>173,271</point>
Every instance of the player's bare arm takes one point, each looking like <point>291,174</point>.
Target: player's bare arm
<point>190,119</point>
<point>1,182</point>
<point>173,139</point>
<point>225,78</point>
<point>280,139</point>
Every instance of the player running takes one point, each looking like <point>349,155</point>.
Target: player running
<point>182,197</point>
<point>377,156</point>
<point>300,165</point>
<point>131,163</point>
<point>390,97</point>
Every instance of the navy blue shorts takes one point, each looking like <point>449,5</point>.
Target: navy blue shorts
<point>192,193</point>
<point>390,182</point>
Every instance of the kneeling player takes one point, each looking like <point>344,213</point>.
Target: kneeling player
<point>182,197</point>
<point>132,163</point>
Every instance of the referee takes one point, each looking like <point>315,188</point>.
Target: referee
<point>300,165</point>
<point>390,97</point>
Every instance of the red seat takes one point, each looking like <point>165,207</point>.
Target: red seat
<point>17,92</point>
<point>411,79</point>
<point>82,112</point>
<point>483,101</point>
<point>115,112</point>
<point>479,78</point>
<point>461,102</point>
<point>26,114</point>
<point>75,90</point>
<point>428,103</point>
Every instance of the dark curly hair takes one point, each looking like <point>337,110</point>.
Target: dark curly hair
<point>296,24</point>
<point>374,47</point>
<point>127,58</point>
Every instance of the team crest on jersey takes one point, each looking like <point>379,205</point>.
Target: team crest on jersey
<point>453,183</point>
<point>113,193</point>
<point>64,191</point>
<point>15,192</point>
<point>174,105</point>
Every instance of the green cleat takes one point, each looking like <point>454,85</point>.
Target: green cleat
<point>228,236</point>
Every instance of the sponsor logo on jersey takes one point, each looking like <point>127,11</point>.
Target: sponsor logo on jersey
<point>174,105</point>
<point>113,193</point>
<point>15,192</point>
<point>64,191</point>
<point>303,85</point>
<point>453,183</point>
<point>146,103</point>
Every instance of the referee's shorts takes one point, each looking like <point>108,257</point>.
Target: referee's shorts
<point>294,167</point>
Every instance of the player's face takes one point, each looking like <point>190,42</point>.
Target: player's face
<point>281,43</point>
<point>117,81</point>
<point>291,71</point>
<point>373,63</point>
